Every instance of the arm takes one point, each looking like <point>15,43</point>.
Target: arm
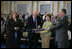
<point>9,27</point>
<point>62,23</point>
<point>43,26</point>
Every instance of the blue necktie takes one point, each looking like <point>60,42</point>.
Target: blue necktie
<point>36,22</point>
<point>54,21</point>
<point>16,36</point>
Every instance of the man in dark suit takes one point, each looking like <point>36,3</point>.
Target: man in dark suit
<point>61,30</point>
<point>34,22</point>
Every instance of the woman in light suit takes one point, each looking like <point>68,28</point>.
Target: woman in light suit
<point>45,35</point>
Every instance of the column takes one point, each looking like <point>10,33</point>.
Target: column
<point>8,7</point>
<point>55,8</point>
<point>13,5</point>
<point>35,6</point>
<point>30,8</point>
<point>61,4</point>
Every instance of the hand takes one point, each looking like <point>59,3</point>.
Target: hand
<point>16,28</point>
<point>69,20</point>
<point>48,29</point>
<point>5,35</point>
<point>37,32</point>
<point>57,22</point>
<point>25,22</point>
<point>38,26</point>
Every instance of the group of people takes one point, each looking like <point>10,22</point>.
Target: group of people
<point>53,26</point>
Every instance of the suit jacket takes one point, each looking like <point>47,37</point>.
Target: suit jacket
<point>61,30</point>
<point>31,24</point>
<point>45,26</point>
<point>11,33</point>
<point>23,16</point>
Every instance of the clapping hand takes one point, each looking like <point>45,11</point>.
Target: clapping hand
<point>38,26</point>
<point>16,28</point>
<point>37,32</point>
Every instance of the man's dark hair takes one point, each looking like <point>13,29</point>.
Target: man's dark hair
<point>64,10</point>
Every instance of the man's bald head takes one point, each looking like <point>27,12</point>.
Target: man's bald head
<point>35,13</point>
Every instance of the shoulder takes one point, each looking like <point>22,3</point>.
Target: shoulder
<point>45,22</point>
<point>65,18</point>
<point>19,20</point>
<point>10,20</point>
<point>50,22</point>
<point>30,17</point>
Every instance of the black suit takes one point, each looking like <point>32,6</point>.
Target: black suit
<point>11,33</point>
<point>23,16</point>
<point>33,36</point>
<point>31,23</point>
